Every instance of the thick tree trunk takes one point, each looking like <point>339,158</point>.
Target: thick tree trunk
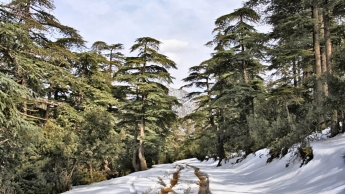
<point>324,72</point>
<point>317,63</point>
<point>323,58</point>
<point>328,55</point>
<point>334,123</point>
<point>142,159</point>
<point>318,86</point>
<point>328,41</point>
<point>141,153</point>
<point>244,65</point>
<point>135,147</point>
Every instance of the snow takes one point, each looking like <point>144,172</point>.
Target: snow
<point>324,174</point>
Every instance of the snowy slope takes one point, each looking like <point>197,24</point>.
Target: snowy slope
<point>324,174</point>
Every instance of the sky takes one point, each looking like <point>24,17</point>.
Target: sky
<point>324,174</point>
<point>184,26</point>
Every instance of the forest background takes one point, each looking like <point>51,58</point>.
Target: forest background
<point>73,115</point>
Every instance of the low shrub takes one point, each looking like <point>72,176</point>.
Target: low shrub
<point>306,153</point>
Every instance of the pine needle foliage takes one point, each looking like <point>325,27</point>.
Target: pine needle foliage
<point>149,102</point>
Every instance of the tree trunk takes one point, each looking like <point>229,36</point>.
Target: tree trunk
<point>134,156</point>
<point>21,73</point>
<point>72,170</point>
<point>318,86</point>
<point>334,123</point>
<point>142,159</point>
<point>211,117</point>
<point>342,120</point>
<point>244,69</point>
<point>220,140</point>
<point>328,54</point>
<point>106,166</point>
<point>244,65</point>
<point>141,153</point>
<point>328,42</point>
<point>323,58</point>
<point>220,149</point>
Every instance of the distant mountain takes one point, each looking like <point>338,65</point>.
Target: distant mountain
<point>188,106</point>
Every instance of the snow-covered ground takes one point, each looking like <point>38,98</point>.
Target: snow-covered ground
<point>324,174</point>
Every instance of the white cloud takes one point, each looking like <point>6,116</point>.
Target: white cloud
<point>173,45</point>
<point>173,56</point>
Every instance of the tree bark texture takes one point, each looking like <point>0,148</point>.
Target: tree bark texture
<point>142,159</point>
<point>135,147</point>
<point>318,86</point>
<point>328,55</point>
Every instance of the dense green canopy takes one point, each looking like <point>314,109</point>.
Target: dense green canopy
<point>72,115</point>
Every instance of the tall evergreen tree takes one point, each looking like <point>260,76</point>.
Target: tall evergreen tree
<point>203,118</point>
<point>237,69</point>
<point>44,68</point>
<point>114,58</point>
<point>311,30</point>
<point>149,102</point>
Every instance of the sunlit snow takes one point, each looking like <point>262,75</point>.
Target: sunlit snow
<point>324,174</point>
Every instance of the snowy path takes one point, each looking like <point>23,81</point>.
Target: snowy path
<point>204,181</point>
<point>325,174</point>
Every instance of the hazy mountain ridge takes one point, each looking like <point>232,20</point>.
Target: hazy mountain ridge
<point>187,104</point>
